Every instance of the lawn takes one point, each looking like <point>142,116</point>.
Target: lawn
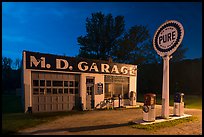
<point>170,123</point>
<point>14,119</point>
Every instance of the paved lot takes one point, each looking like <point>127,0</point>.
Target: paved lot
<point>113,122</point>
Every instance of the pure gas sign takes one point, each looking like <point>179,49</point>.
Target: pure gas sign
<point>168,37</point>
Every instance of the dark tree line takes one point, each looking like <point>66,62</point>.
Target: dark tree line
<point>11,74</point>
<point>106,38</point>
<point>184,76</point>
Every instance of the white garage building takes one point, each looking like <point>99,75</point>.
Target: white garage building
<point>61,83</point>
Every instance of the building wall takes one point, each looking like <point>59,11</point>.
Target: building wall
<point>99,78</point>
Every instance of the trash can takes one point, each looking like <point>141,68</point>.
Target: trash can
<point>149,109</point>
<point>178,109</point>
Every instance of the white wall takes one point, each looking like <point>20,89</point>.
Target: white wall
<point>26,85</point>
<point>98,78</point>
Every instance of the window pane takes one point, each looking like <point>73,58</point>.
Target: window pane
<point>66,83</point>
<point>76,90</point>
<point>35,83</point>
<point>71,91</point>
<point>48,90</point>
<point>108,79</point>
<point>71,83</point>
<point>76,83</point>
<point>42,82</point>
<point>48,83</point>
<point>35,91</point>
<point>42,91</point>
<point>117,89</point>
<point>126,91</point>
<point>66,90</point>
<point>108,89</point>
<point>54,91</point>
<point>126,79</point>
<point>60,91</point>
<point>57,83</point>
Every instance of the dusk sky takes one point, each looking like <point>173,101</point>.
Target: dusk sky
<point>53,27</point>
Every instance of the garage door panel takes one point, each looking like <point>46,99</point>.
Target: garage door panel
<point>42,108</point>
<point>35,99</point>
<point>42,100</point>
<point>59,107</point>
<point>35,108</point>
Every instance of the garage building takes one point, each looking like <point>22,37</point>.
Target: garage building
<point>61,83</point>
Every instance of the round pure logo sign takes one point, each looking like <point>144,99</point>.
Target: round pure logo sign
<point>168,37</point>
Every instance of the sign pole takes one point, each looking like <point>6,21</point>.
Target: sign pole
<point>166,40</point>
<point>165,87</point>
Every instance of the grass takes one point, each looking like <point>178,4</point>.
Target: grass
<point>12,122</point>
<point>8,102</point>
<point>170,123</point>
<point>14,119</point>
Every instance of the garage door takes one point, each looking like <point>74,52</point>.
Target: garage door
<point>54,91</point>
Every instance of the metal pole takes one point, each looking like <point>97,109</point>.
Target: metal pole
<point>165,88</point>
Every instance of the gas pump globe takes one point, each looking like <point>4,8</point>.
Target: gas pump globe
<point>149,110</point>
<point>178,104</point>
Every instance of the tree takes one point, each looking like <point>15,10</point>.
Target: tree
<point>106,38</point>
<point>179,54</point>
<point>102,33</point>
<point>6,63</point>
<point>17,63</point>
<point>135,47</point>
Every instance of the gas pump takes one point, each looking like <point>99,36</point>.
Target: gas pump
<point>179,104</point>
<point>132,98</point>
<point>149,110</point>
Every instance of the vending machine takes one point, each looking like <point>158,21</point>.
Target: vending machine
<point>149,109</point>
<point>178,109</point>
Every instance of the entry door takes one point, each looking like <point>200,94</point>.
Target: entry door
<point>89,93</point>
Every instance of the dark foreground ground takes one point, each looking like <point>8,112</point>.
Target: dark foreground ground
<point>113,122</point>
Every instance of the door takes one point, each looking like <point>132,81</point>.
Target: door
<point>89,93</point>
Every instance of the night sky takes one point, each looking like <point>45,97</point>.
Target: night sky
<point>53,27</point>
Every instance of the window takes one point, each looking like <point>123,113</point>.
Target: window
<point>66,91</point>
<point>76,84</point>
<point>71,83</point>
<point>89,80</point>
<point>54,91</point>
<point>48,90</point>
<point>48,84</point>
<point>71,91</point>
<point>57,83</point>
<point>35,91</point>
<point>42,82</point>
<point>35,83</point>
<point>117,89</point>
<point>76,90</point>
<point>42,91</point>
<point>126,90</point>
<point>60,91</point>
<point>65,83</point>
<point>108,90</point>
<point>116,85</point>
